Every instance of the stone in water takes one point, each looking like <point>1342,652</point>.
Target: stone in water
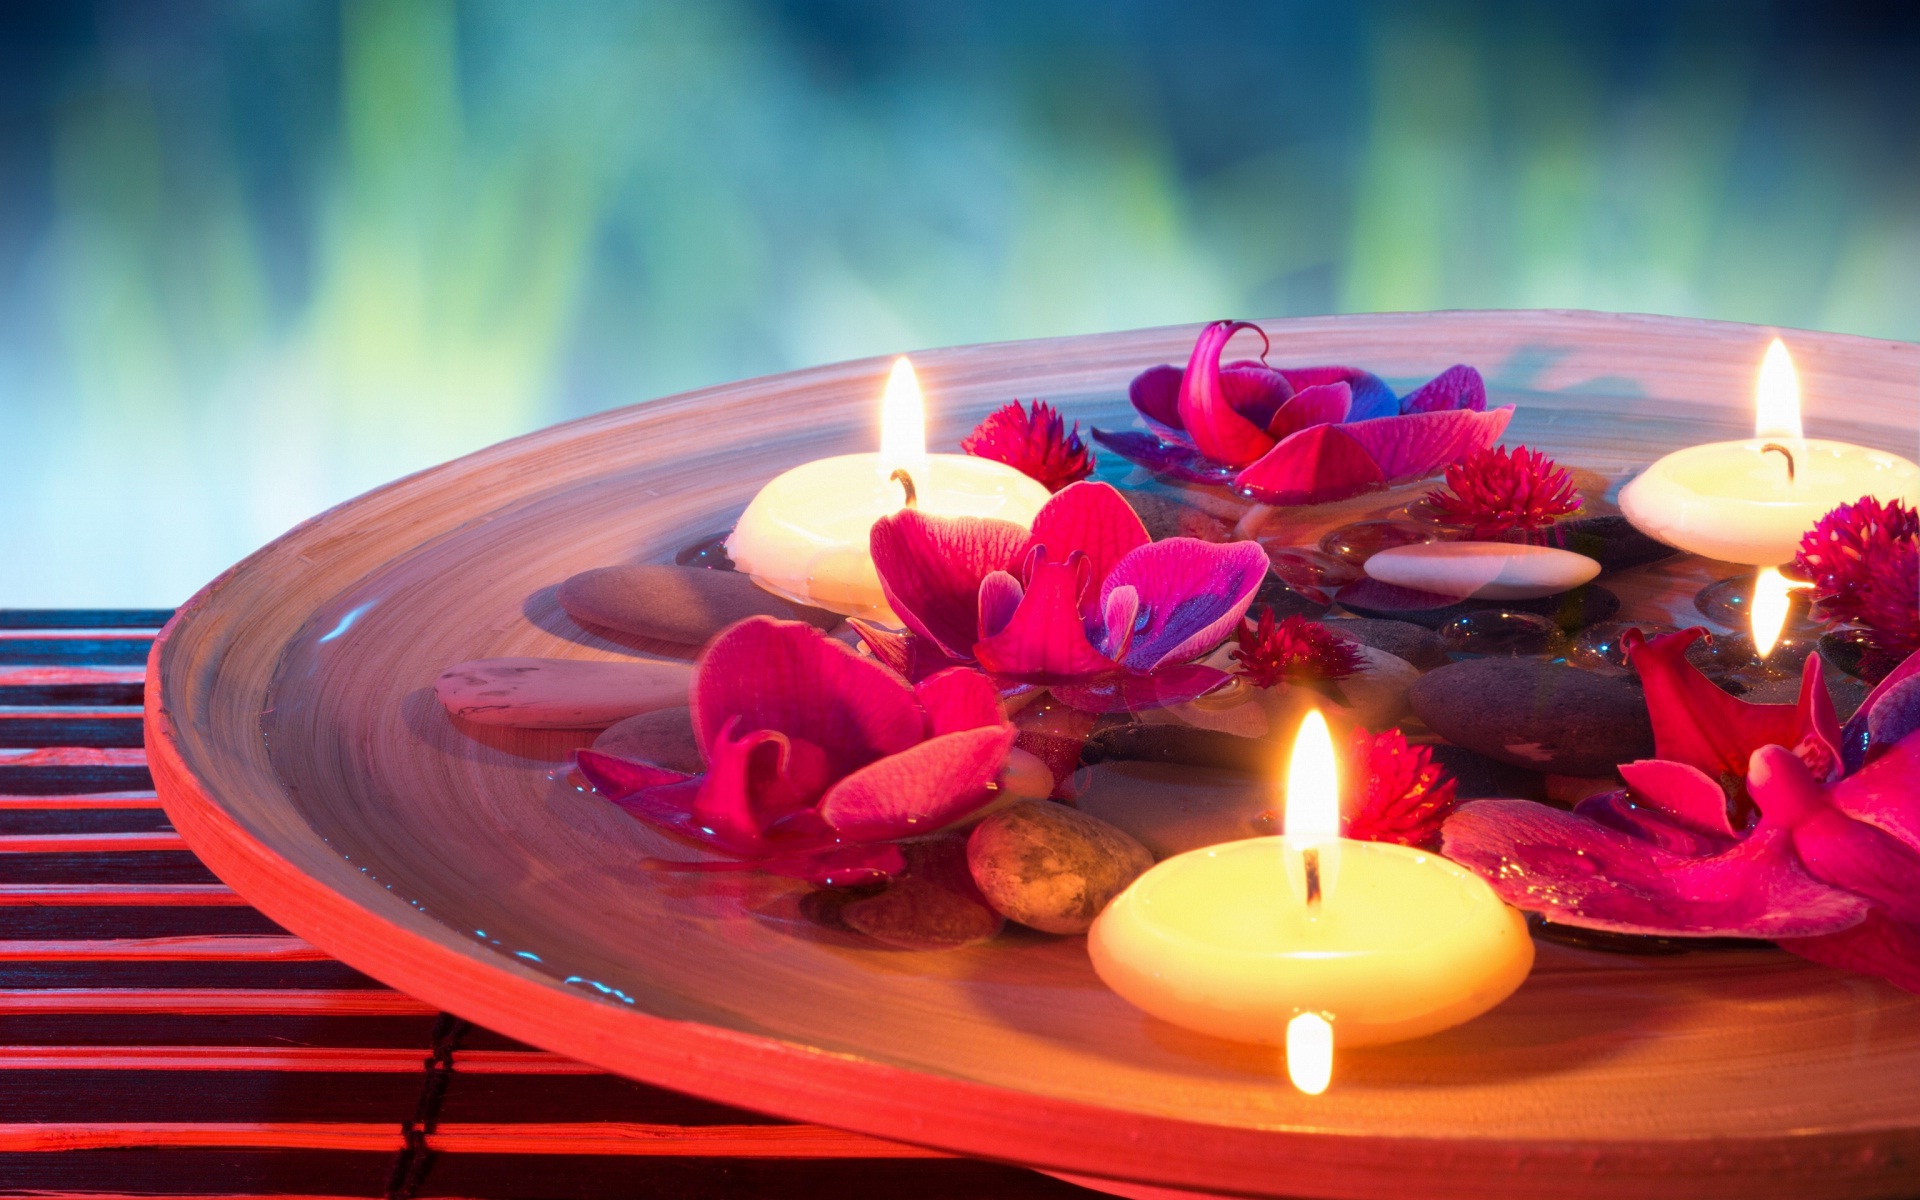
<point>560,693</point>
<point>1482,570</point>
<point>687,605</point>
<point>1546,717</point>
<point>1174,808</point>
<point>663,737</point>
<point>1052,868</point>
<point>1500,631</point>
<point>1360,541</point>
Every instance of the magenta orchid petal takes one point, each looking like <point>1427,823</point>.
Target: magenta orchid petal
<point>1164,457</point>
<point>1854,854</point>
<point>1619,811</point>
<point>931,567</point>
<point>1000,594</point>
<point>1878,945</point>
<point>1371,395</point>
<point>1138,693</point>
<point>919,790</point>
<point>1046,639</point>
<point>1895,717</point>
<point>851,865</point>
<point>1120,608</point>
<point>1681,793</point>
<point>1093,518</point>
<point>1191,596</point>
<point>1155,393</point>
<point>1458,388</point>
<point>1695,722</point>
<point>1578,872</point>
<point>1424,443</point>
<point>959,699</point>
<point>755,779</point>
<point>1255,391</point>
<point>908,655</point>
<point>784,676</point>
<point>1317,464</point>
<point>1322,404</point>
<point>617,778</point>
<point>1217,430</point>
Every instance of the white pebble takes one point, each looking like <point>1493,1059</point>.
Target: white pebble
<point>1482,570</point>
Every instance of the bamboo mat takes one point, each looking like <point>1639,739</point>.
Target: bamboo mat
<point>158,1037</point>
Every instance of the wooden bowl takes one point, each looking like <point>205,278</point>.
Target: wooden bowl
<point>297,746</point>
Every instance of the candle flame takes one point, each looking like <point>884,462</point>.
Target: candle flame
<point>1769,609</point>
<point>903,420</point>
<point>1313,785</point>
<point>1310,1053</point>
<point>1776,398</point>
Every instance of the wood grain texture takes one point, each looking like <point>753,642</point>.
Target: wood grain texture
<point>443,861</point>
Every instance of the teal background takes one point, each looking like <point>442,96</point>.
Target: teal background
<point>258,256</point>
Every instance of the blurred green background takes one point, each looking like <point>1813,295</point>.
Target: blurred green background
<point>257,256</point>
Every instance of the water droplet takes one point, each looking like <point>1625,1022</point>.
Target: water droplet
<point>1358,542</point>
<point>1499,632</point>
<point>1603,647</point>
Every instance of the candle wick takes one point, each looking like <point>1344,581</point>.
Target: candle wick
<point>1784,453</point>
<point>913,500</point>
<point>1311,860</point>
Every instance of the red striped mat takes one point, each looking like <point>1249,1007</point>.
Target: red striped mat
<point>158,1037</point>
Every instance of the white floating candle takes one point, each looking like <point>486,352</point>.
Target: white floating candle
<point>805,535</point>
<point>1379,942</point>
<point>1750,501</point>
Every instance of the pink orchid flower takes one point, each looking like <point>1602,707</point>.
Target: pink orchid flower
<point>1085,604</point>
<point>1300,435</point>
<point>816,756</point>
<point>1747,825</point>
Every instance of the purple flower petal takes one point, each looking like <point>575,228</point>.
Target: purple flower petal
<point>1322,404</point>
<point>1578,872</point>
<point>1120,610</point>
<point>1192,594</point>
<point>1155,393</point>
<point>1371,395</point>
<point>1092,518</point>
<point>1682,794</point>
<point>1317,464</point>
<point>919,790</point>
<point>1163,458</point>
<point>1878,945</point>
<point>1853,740</point>
<point>1424,443</point>
<point>1136,693</point>
<point>1455,389</point>
<point>959,699</point>
<point>1895,716</point>
<point>784,676</point>
<point>931,567</point>
<point>1217,430</point>
<point>1046,639</point>
<point>1255,391</point>
<point>1000,594</point>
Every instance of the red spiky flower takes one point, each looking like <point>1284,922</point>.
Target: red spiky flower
<point>1864,561</point>
<point>1495,492</point>
<point>1395,792</point>
<point>1034,441</point>
<point>1294,650</point>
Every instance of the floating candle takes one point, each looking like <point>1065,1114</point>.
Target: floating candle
<point>805,535</point>
<point>1750,501</point>
<point>1379,942</point>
